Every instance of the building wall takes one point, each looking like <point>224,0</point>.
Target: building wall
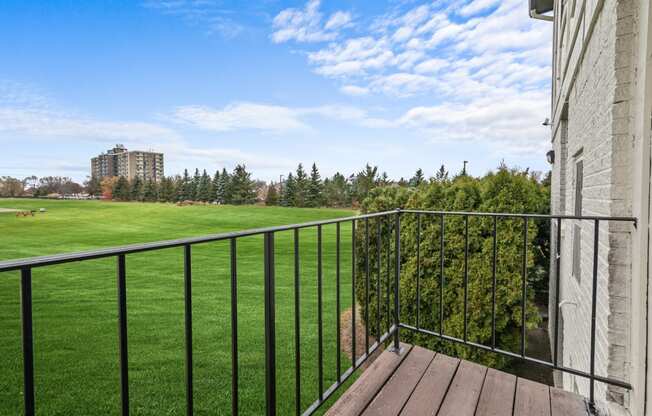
<point>592,96</point>
<point>130,164</point>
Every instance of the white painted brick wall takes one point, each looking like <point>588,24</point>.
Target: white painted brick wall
<point>599,125</point>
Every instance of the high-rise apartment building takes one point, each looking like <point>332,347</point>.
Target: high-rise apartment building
<point>131,164</point>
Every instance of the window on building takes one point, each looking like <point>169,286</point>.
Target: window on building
<point>577,228</point>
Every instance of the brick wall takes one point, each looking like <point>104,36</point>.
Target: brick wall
<point>594,76</point>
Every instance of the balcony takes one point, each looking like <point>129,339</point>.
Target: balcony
<point>405,378</point>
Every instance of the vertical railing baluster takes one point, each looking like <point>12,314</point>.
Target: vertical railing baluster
<point>270,326</point>
<point>389,268</point>
<point>297,323</point>
<point>337,302</point>
<point>187,279</point>
<point>353,270</point>
<point>122,334</point>
<point>234,328</point>
<point>466,277</point>
<point>524,285</point>
<point>418,271</point>
<point>28,340</point>
<point>442,228</point>
<point>379,254</point>
<point>366,286</point>
<point>397,279</point>
<point>493,282</point>
<point>557,289</point>
<point>320,330</point>
<point>594,301</point>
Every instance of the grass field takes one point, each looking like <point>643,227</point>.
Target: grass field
<point>75,309</point>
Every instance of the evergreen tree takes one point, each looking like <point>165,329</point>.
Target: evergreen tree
<point>215,183</point>
<point>272,195</point>
<point>336,191</point>
<point>300,187</point>
<point>166,191</point>
<point>441,175</point>
<point>204,188</point>
<point>222,190</point>
<point>150,192</point>
<point>314,194</point>
<point>136,192</point>
<point>364,182</point>
<point>194,190</point>
<point>121,189</point>
<point>289,191</point>
<point>242,188</point>
<point>184,187</point>
<point>417,179</point>
<point>383,180</point>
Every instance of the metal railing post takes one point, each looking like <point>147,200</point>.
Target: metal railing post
<point>270,331</point>
<point>397,278</point>
<point>122,334</point>
<point>28,343</point>
<point>187,289</point>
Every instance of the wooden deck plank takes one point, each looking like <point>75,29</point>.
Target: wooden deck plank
<point>464,391</point>
<point>564,403</point>
<point>365,388</point>
<point>497,396</point>
<point>532,399</point>
<point>430,392</point>
<point>390,400</point>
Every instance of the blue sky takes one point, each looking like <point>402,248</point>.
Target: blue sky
<point>398,84</point>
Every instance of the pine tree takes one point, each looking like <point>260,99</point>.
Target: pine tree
<point>222,190</point>
<point>136,193</point>
<point>314,194</point>
<point>272,195</point>
<point>417,179</point>
<point>204,188</point>
<point>184,187</point>
<point>300,187</point>
<point>121,189</point>
<point>242,188</point>
<point>215,183</point>
<point>194,191</point>
<point>166,192</point>
<point>150,191</point>
<point>441,175</point>
<point>289,191</point>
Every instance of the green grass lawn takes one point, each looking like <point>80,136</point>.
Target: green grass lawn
<point>75,308</point>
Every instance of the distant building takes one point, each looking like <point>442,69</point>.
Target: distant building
<point>131,164</point>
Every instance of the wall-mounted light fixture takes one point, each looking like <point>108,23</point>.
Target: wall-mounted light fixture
<point>538,8</point>
<point>550,156</point>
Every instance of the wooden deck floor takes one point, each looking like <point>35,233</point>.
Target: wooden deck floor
<point>421,382</point>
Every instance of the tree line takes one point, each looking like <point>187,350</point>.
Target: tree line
<point>223,187</point>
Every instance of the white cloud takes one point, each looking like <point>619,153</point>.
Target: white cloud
<point>430,66</point>
<point>207,14</point>
<point>265,117</point>
<point>242,116</point>
<point>47,123</point>
<point>337,20</point>
<point>354,90</point>
<point>306,25</point>
<point>477,6</point>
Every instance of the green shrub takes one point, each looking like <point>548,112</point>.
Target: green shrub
<point>509,191</point>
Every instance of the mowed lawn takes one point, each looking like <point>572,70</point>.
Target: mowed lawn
<point>75,307</point>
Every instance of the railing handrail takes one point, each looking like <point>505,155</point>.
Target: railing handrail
<point>394,325</point>
<point>49,260</point>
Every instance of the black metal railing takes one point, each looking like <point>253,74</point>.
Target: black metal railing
<point>388,224</point>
